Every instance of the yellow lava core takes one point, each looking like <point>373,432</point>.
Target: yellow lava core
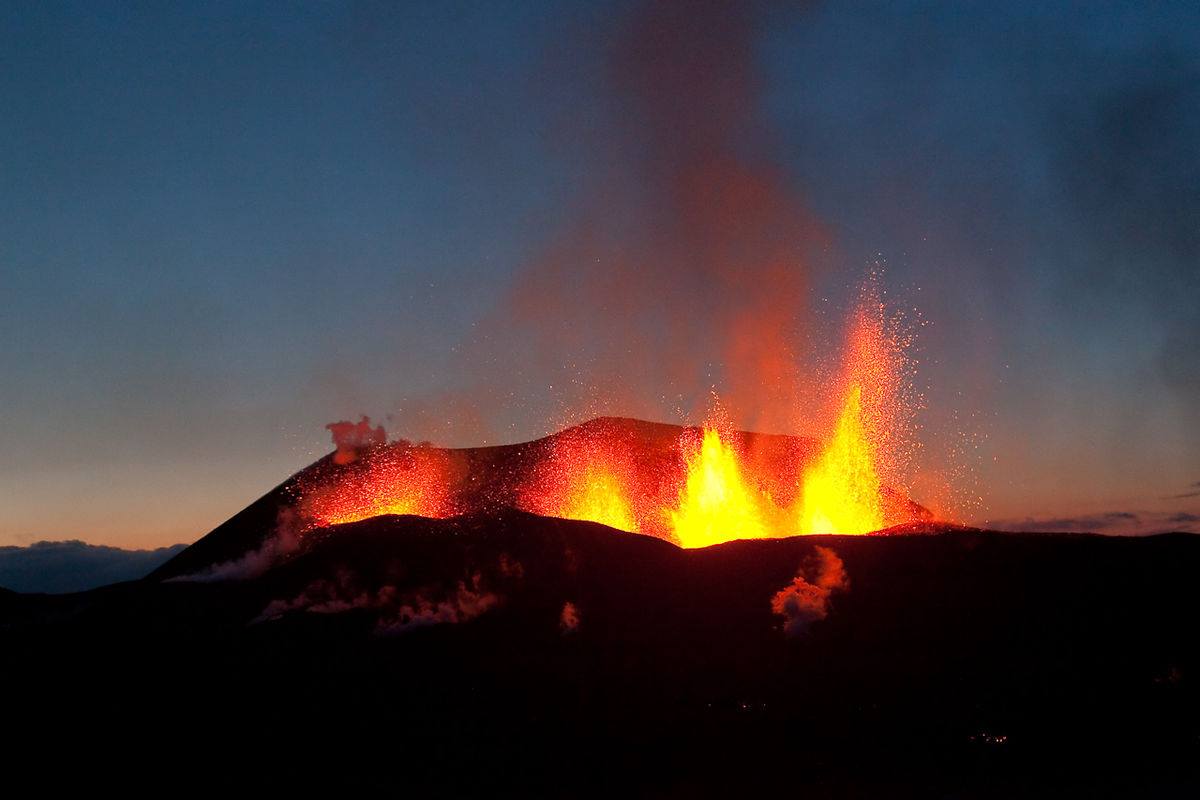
<point>599,495</point>
<point>716,505</point>
<point>841,490</point>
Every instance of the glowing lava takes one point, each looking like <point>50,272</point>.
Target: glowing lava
<point>391,480</point>
<point>599,495</point>
<point>716,504</point>
<point>582,490</point>
<point>841,490</point>
<point>585,476</point>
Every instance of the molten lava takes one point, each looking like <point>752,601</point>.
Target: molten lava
<point>586,476</point>
<point>395,479</point>
<point>716,503</point>
<point>841,490</point>
<point>599,495</point>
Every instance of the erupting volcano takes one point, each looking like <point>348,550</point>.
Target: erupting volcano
<point>693,486</point>
<point>640,283</point>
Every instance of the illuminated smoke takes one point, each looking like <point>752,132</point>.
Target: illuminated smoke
<point>352,437</point>
<point>806,600</point>
<point>683,262</point>
<point>568,620</point>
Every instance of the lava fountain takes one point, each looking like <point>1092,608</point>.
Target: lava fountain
<point>585,476</point>
<point>389,479</point>
<point>716,503</point>
<point>841,491</point>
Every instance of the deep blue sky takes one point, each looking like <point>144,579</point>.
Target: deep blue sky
<point>223,225</point>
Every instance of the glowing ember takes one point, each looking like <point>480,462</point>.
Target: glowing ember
<point>391,480</point>
<point>841,490</point>
<point>716,504</point>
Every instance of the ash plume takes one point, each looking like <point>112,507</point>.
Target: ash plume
<point>806,599</point>
<point>682,267</point>
<point>282,541</point>
<point>351,437</point>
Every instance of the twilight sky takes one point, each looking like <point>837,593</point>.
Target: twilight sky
<point>224,225</point>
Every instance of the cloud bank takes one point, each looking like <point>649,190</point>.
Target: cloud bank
<point>74,566</point>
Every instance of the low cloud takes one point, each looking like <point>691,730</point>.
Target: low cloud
<point>1127,523</point>
<point>806,599</point>
<point>75,566</point>
<point>1193,491</point>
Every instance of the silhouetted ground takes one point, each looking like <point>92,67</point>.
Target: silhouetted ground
<point>959,664</point>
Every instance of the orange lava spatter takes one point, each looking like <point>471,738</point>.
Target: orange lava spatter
<point>585,476</point>
<point>599,495</point>
<point>716,503</point>
<point>392,480</point>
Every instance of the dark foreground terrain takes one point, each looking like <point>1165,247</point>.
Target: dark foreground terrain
<point>436,658</point>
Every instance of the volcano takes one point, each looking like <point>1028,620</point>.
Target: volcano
<point>345,485</point>
<point>501,651</point>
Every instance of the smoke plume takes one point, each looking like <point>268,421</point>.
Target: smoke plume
<point>282,541</point>
<point>468,601</point>
<point>396,610</point>
<point>682,268</point>
<point>351,437</point>
<point>568,620</point>
<point>806,599</point>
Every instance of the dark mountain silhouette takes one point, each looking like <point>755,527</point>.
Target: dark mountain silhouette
<point>436,657</point>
